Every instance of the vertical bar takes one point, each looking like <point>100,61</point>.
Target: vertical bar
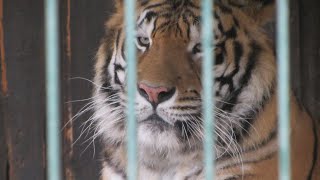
<point>131,88</point>
<point>283,88</point>
<point>52,88</point>
<point>207,80</point>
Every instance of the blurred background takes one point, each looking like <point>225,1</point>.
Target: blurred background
<point>22,81</point>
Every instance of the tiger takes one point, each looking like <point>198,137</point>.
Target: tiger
<point>169,96</point>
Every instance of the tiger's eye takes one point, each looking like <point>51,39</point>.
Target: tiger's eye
<point>143,41</point>
<point>197,49</point>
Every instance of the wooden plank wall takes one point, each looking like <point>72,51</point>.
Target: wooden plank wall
<point>22,99</point>
<point>81,39</point>
<point>22,115</point>
<point>305,53</point>
<point>3,94</point>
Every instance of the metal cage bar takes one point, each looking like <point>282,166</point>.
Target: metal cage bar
<point>52,89</point>
<point>207,81</point>
<point>130,20</point>
<point>283,44</point>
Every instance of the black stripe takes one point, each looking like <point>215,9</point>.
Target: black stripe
<point>150,15</point>
<point>224,8</point>
<point>273,134</point>
<point>116,49</point>
<point>228,79</point>
<point>155,5</point>
<point>236,22</point>
<point>236,5</point>
<point>315,150</point>
<point>192,5</point>
<point>232,178</point>
<point>240,176</point>
<point>122,51</point>
<point>184,107</point>
<point>111,36</point>
<point>118,38</point>
<point>178,30</point>
<point>144,2</point>
<point>105,74</point>
<point>225,81</point>
<point>106,77</point>
<point>154,27</point>
<point>220,27</point>
<point>192,176</point>
<point>255,52</point>
<point>114,165</point>
<point>216,15</point>
<point>219,59</point>
<point>117,67</point>
<point>231,33</point>
<point>238,52</point>
<point>167,14</point>
<point>194,92</point>
<point>187,115</point>
<point>116,78</point>
<point>233,98</point>
<point>108,59</point>
<point>196,48</point>
<point>189,99</point>
<point>162,27</point>
<point>250,116</point>
<point>269,156</point>
<point>262,3</point>
<point>185,20</point>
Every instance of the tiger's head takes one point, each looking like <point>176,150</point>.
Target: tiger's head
<point>169,87</point>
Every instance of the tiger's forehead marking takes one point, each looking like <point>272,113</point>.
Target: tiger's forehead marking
<point>172,16</point>
<point>178,17</point>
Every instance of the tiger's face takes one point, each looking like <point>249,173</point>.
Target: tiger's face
<point>169,87</point>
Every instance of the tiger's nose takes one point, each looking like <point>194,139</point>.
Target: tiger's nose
<point>155,95</point>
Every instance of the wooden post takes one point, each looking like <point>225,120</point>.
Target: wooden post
<point>25,102</point>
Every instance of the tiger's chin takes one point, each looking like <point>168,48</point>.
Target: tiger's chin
<point>157,135</point>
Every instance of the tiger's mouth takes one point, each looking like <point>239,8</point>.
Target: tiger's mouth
<point>155,119</point>
<point>157,124</point>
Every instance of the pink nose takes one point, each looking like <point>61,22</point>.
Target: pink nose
<point>155,94</point>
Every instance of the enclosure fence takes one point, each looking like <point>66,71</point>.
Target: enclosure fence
<point>52,89</point>
<point>53,97</point>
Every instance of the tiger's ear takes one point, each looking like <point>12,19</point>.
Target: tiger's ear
<point>262,11</point>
